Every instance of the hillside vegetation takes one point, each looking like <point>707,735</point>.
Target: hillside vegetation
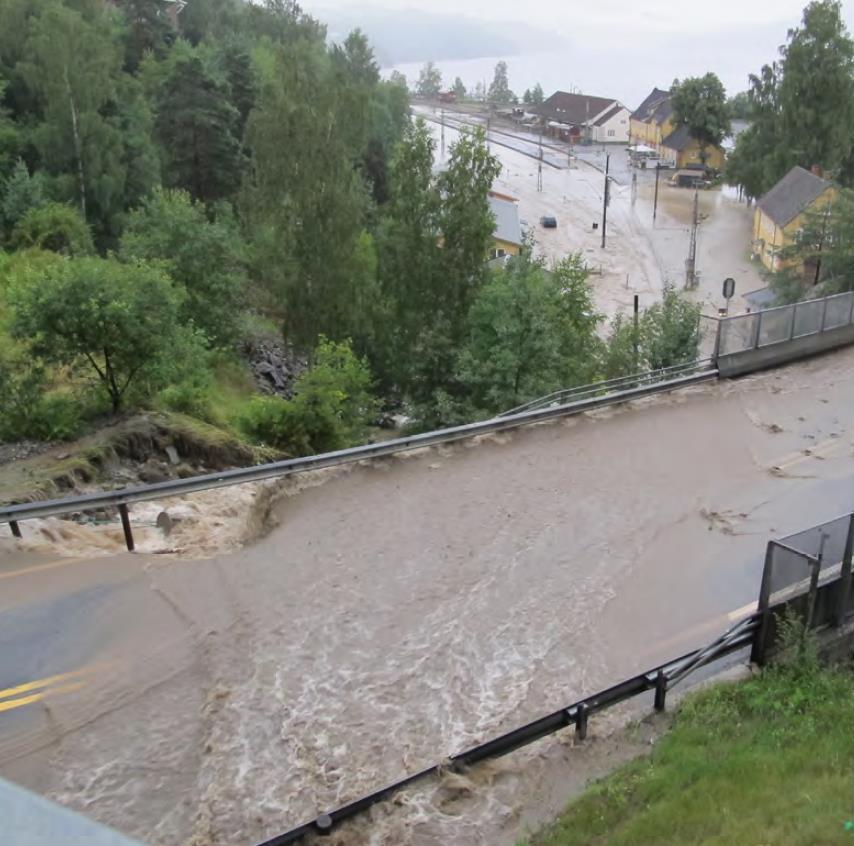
<point>178,185</point>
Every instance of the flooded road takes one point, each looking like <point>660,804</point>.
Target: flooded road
<point>407,609</point>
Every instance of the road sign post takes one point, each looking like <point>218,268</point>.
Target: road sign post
<point>728,292</point>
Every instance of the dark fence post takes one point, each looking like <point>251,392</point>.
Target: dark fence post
<point>816,569</point>
<point>660,690</point>
<point>845,575</point>
<point>16,529</point>
<point>581,722</point>
<point>123,511</point>
<point>757,653</point>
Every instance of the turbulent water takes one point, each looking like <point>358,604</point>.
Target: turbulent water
<point>411,607</point>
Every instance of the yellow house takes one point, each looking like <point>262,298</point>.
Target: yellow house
<point>779,215</point>
<point>507,236</point>
<point>652,121</point>
<point>679,147</point>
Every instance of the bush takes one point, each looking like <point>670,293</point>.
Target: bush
<point>55,227</point>
<point>57,417</point>
<point>27,412</point>
<point>293,427</point>
<point>331,409</point>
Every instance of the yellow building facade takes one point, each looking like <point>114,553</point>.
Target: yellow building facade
<point>780,215</point>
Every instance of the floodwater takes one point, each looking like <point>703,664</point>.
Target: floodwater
<point>640,255</point>
<point>408,608</point>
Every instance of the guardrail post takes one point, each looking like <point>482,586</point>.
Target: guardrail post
<point>581,722</point>
<point>845,575</point>
<point>823,315</point>
<point>794,320</point>
<point>323,824</point>
<point>123,512</point>
<point>717,350</point>
<point>755,343</point>
<point>16,529</point>
<point>660,690</point>
<point>816,569</point>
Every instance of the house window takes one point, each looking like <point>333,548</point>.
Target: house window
<point>612,132</point>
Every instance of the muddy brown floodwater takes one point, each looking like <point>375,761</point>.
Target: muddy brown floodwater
<point>407,609</point>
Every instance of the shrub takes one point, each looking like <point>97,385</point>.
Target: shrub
<point>331,409</point>
<point>55,227</point>
<point>57,417</point>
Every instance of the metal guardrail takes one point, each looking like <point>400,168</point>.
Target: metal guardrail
<point>608,385</point>
<point>659,679</point>
<point>120,499</point>
<point>780,324</point>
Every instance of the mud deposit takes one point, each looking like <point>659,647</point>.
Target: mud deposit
<point>407,609</point>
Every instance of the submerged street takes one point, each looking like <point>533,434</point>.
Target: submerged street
<point>404,610</point>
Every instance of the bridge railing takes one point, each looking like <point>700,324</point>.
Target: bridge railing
<point>771,326</point>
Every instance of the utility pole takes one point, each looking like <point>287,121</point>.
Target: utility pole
<point>655,201</point>
<point>540,164</point>
<point>636,335</point>
<point>442,156</point>
<point>691,261</point>
<point>605,199</point>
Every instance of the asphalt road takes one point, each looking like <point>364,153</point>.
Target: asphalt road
<point>405,610</point>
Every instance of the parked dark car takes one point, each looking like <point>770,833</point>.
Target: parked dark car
<point>549,222</point>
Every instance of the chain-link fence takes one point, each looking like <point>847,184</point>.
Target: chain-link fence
<point>776,325</point>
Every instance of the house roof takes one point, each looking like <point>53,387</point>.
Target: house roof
<point>645,110</point>
<point>507,226</point>
<point>792,194</point>
<point>614,110</point>
<point>575,108</point>
<point>678,140</point>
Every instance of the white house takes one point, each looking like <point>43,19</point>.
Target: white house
<point>574,116</point>
<point>612,126</point>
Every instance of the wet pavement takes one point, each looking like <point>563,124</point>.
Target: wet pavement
<point>409,608</point>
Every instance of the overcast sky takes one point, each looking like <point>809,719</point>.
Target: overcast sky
<point>617,48</point>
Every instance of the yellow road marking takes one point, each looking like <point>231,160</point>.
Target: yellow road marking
<point>45,682</point>
<point>817,451</point>
<point>11,704</point>
<point>39,567</point>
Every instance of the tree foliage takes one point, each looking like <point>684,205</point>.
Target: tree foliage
<point>116,320</point>
<point>499,89</point>
<point>202,252</point>
<point>700,105</point>
<point>530,331</point>
<point>55,227</point>
<point>801,107</point>
<point>429,81</point>
<point>197,124</point>
<point>667,333</point>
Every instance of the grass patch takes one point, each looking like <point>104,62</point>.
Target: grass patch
<point>766,761</point>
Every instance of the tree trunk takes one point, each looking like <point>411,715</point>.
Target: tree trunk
<point>78,147</point>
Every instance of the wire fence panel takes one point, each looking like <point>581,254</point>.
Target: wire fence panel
<point>788,567</point>
<point>808,317</point>
<point>835,534</point>
<point>775,325</point>
<point>738,333</point>
<point>838,311</point>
